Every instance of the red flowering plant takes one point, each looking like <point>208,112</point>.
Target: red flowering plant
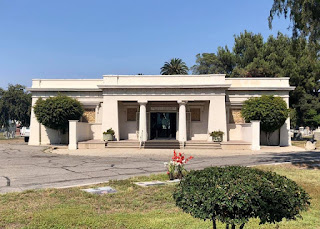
<point>177,164</point>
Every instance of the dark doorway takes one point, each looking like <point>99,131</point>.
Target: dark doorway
<point>163,125</point>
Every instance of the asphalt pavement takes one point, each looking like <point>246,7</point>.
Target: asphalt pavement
<point>24,167</point>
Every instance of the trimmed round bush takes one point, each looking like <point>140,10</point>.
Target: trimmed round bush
<point>272,111</point>
<point>234,194</point>
<point>55,112</point>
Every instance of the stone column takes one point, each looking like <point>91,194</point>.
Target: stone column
<point>285,138</point>
<point>255,135</point>
<point>73,135</point>
<point>217,117</point>
<point>35,137</point>
<point>96,111</point>
<point>110,116</point>
<point>182,121</point>
<point>143,122</point>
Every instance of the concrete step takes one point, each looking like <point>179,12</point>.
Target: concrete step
<point>162,144</point>
<point>123,144</point>
<point>202,145</point>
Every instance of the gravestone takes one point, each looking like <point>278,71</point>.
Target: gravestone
<point>150,183</point>
<point>316,135</point>
<point>310,146</point>
<point>100,191</point>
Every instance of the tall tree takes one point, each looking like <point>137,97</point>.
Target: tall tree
<point>210,63</point>
<point>247,46</point>
<point>174,67</point>
<point>15,104</point>
<point>304,15</point>
<point>279,56</point>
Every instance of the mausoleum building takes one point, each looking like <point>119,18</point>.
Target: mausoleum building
<point>145,108</point>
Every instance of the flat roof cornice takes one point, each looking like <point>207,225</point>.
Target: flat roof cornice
<point>62,89</point>
<point>261,88</point>
<point>163,86</point>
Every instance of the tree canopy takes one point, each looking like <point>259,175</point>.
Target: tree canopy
<point>55,112</point>
<point>270,110</point>
<point>15,104</point>
<point>304,15</point>
<point>278,56</point>
<point>234,194</point>
<point>174,67</point>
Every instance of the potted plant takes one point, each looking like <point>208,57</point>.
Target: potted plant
<point>217,136</point>
<point>108,135</point>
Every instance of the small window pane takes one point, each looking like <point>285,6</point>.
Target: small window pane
<point>235,116</point>
<point>131,114</point>
<point>195,114</point>
<point>89,115</point>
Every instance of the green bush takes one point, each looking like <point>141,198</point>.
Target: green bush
<point>55,112</point>
<point>270,110</point>
<point>235,194</point>
<point>109,131</point>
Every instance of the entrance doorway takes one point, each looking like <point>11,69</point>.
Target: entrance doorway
<point>163,125</point>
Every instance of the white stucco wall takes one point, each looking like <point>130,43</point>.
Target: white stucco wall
<point>107,95</point>
<point>199,129</point>
<point>128,129</point>
<point>239,132</point>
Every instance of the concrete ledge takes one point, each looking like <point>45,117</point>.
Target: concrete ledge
<point>92,144</point>
<point>235,145</point>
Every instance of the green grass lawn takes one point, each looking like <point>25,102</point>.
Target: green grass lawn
<point>132,206</point>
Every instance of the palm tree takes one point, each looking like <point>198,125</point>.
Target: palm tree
<point>175,67</point>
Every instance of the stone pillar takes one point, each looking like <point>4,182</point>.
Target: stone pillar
<point>110,116</point>
<point>255,135</point>
<point>73,135</point>
<point>285,138</point>
<point>96,114</point>
<point>182,121</point>
<point>217,117</point>
<point>143,134</point>
<point>35,127</point>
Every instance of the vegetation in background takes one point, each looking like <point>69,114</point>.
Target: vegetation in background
<point>304,15</point>
<point>270,110</point>
<point>174,67</point>
<point>279,56</point>
<point>55,112</point>
<point>15,104</point>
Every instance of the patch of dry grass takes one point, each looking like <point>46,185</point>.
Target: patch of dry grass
<point>133,206</point>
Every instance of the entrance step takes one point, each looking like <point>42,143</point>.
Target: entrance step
<point>123,144</point>
<point>202,145</point>
<point>162,144</point>
<point>91,144</point>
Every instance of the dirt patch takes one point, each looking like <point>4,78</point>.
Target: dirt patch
<point>16,141</point>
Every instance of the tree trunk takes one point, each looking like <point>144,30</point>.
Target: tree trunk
<point>214,225</point>
<point>268,135</point>
<point>233,226</point>
<point>227,226</point>
<point>242,226</point>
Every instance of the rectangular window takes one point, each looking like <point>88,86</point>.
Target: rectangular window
<point>89,115</point>
<point>195,114</point>
<point>131,114</point>
<point>235,116</point>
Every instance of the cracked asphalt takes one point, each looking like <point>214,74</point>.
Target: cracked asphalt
<point>29,167</point>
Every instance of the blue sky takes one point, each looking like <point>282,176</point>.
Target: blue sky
<point>89,38</point>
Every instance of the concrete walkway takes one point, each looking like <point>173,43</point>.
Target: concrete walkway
<point>27,167</point>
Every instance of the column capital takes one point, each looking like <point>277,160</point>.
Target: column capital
<point>142,102</point>
<point>182,102</point>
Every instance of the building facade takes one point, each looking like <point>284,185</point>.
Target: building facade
<point>149,107</point>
